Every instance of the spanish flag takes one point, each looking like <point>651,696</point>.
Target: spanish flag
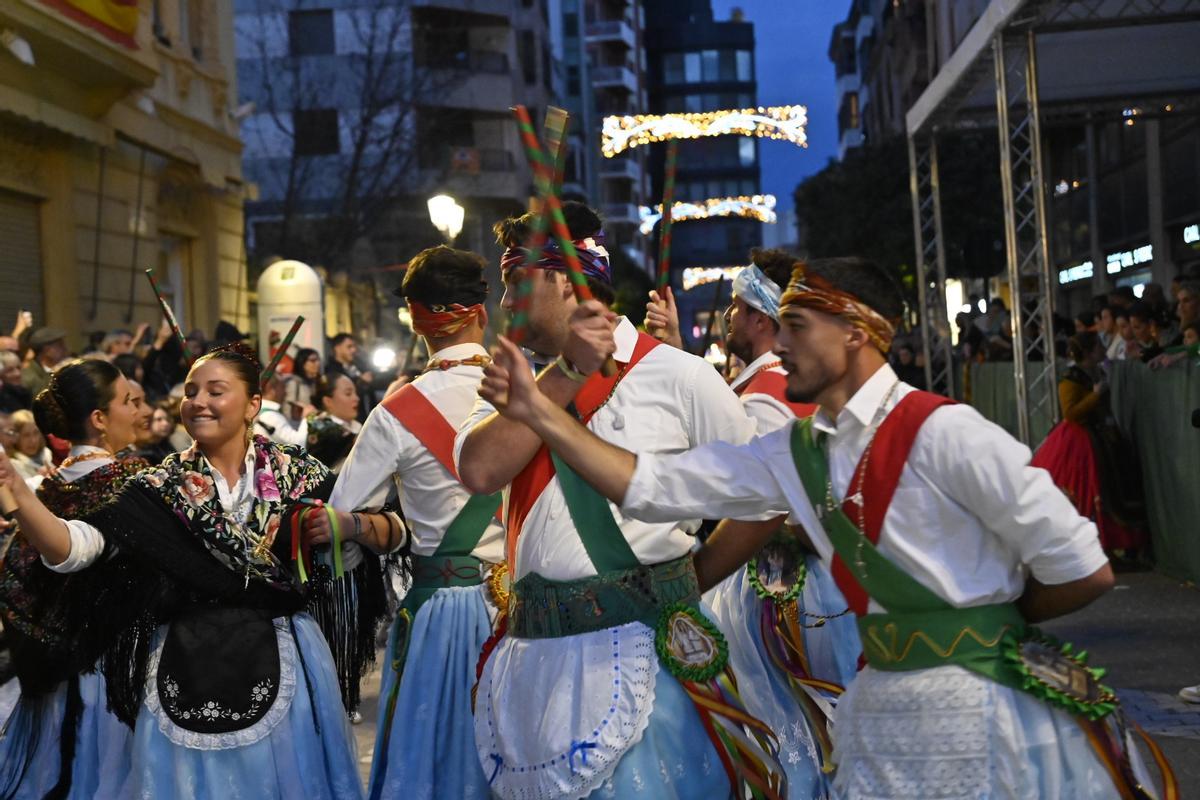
<point>115,19</point>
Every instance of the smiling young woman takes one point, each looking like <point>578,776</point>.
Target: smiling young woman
<point>185,589</point>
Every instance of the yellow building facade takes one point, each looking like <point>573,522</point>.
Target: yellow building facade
<point>119,151</point>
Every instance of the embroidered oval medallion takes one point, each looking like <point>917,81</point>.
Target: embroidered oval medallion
<point>689,644</point>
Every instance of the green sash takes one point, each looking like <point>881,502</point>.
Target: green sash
<point>920,629</point>
<point>452,563</point>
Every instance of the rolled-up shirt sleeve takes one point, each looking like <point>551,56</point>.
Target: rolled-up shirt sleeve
<point>718,480</point>
<point>986,470</point>
<point>87,543</point>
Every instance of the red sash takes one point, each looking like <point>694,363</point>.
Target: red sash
<point>889,453</point>
<point>422,419</point>
<point>774,384</point>
<point>529,484</point>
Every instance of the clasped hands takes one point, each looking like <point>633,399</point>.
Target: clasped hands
<point>510,386</point>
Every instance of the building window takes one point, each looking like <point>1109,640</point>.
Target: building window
<point>745,65</point>
<point>746,152</point>
<point>694,103</point>
<point>710,66</point>
<point>571,24</point>
<point>527,53</point>
<point>315,131</point>
<point>673,68</point>
<point>573,81</point>
<point>691,67</point>
<point>310,33</point>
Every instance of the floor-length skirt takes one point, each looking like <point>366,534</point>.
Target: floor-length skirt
<point>425,743</point>
<point>309,753</point>
<point>833,650</point>
<point>30,744</point>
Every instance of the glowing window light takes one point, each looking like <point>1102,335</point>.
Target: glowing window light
<point>700,276</point>
<point>1191,234</point>
<point>760,207</point>
<point>775,122</point>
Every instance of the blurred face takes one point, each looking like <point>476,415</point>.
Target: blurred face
<point>905,355</point>
<point>1140,329</point>
<point>29,441</point>
<point>12,373</point>
<point>1123,329</point>
<point>812,347</point>
<point>346,352</point>
<point>741,320</point>
<point>120,345</point>
<point>144,414</point>
<point>54,352</point>
<point>217,406</point>
<point>1190,337</point>
<point>1189,307</point>
<point>343,403</point>
<point>550,304</point>
<point>1107,323</point>
<point>312,367</point>
<point>161,425</point>
<point>8,437</point>
<point>121,421</point>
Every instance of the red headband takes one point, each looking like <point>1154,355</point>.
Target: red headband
<point>439,321</point>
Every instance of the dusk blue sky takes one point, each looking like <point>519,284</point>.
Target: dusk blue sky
<point>792,39</point>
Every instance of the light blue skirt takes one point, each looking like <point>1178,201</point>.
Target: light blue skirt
<point>674,760</point>
<point>102,744</point>
<point>294,760</point>
<point>428,749</point>
<point>833,651</point>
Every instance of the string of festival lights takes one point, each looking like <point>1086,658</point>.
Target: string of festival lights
<point>621,133</point>
<point>701,276</point>
<point>760,207</point>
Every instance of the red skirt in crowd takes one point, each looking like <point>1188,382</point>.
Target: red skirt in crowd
<point>1069,455</point>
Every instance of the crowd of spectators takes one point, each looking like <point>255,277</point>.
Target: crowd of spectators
<point>156,365</point>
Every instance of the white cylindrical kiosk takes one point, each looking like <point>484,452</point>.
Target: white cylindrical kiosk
<point>288,289</point>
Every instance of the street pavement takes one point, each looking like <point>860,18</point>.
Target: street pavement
<point>1144,633</point>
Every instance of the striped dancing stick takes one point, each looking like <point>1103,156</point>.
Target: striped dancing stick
<point>664,231</point>
<point>280,352</point>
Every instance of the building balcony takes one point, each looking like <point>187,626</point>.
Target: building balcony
<point>614,31</point>
<point>621,213</point>
<point>485,172</point>
<point>614,77</point>
<point>620,168</point>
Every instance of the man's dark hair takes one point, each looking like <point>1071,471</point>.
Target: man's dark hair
<point>582,221</point>
<point>776,264</point>
<point>442,275</point>
<point>128,364</point>
<point>338,338</point>
<point>1124,292</point>
<point>1120,313</point>
<point>997,301</point>
<point>864,279</point>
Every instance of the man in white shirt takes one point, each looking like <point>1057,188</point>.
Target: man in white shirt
<point>572,702</point>
<point>970,544</point>
<point>272,422</point>
<point>784,659</point>
<point>425,740</point>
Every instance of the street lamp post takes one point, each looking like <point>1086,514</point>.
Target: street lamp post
<point>446,215</point>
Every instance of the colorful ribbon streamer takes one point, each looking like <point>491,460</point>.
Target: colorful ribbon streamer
<point>168,313</point>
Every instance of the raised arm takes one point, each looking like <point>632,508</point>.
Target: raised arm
<point>49,535</point>
<point>498,448</point>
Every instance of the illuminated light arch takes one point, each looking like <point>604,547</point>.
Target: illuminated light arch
<point>701,276</point>
<point>775,122</point>
<point>760,207</point>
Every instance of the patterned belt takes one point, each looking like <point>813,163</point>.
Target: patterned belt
<point>431,573</point>
<point>545,609</point>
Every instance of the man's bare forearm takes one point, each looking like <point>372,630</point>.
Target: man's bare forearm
<point>499,448</point>
<point>732,544</point>
<point>1041,601</point>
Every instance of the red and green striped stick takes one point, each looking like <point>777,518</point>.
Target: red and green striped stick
<point>554,131</point>
<point>543,171</point>
<point>168,313</point>
<point>664,230</point>
<point>280,352</point>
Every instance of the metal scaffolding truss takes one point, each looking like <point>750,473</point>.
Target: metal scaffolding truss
<point>1000,53</point>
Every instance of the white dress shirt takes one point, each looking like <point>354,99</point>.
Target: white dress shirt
<point>389,461</point>
<point>539,698</point>
<point>969,518</point>
<point>275,425</point>
<point>769,413</point>
<point>669,402</point>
